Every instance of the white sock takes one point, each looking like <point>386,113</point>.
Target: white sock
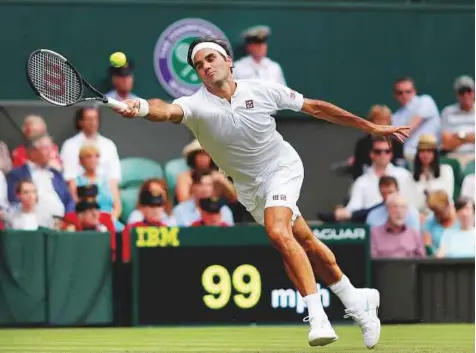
<point>345,291</point>
<point>314,306</point>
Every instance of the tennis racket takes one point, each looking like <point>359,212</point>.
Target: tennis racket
<point>55,80</point>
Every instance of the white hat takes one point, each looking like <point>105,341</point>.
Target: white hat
<point>191,147</point>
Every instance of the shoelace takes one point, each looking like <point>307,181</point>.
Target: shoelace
<point>308,319</point>
<point>362,318</point>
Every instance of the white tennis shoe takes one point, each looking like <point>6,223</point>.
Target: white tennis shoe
<point>365,314</point>
<point>321,332</point>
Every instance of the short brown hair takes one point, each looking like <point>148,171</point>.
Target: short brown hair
<point>377,110</point>
<point>20,184</point>
<point>387,180</point>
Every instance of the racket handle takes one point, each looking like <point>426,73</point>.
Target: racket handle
<point>114,103</point>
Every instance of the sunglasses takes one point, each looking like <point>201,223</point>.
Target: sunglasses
<point>384,151</point>
<point>400,92</point>
<point>464,90</point>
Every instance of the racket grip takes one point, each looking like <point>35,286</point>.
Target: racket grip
<point>114,103</point>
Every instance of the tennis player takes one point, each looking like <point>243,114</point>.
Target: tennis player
<point>231,119</point>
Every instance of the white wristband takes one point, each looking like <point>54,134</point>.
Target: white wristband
<point>143,108</point>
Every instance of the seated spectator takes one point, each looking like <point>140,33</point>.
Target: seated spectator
<point>443,217</point>
<point>108,189</point>
<point>152,209</point>
<point>87,123</point>
<point>457,137</point>
<point>33,126</point>
<point>54,198</point>
<point>428,173</point>
<point>394,239</point>
<point>460,242</point>
<point>210,213</point>
<point>197,158</point>
<point>381,115</point>
<point>24,215</point>
<point>155,187</point>
<point>467,188</point>
<point>202,187</point>
<point>5,160</point>
<point>379,215</point>
<point>122,80</point>
<point>3,191</point>
<point>365,191</point>
<point>418,112</point>
<point>88,217</point>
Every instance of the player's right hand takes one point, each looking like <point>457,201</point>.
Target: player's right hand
<point>132,110</point>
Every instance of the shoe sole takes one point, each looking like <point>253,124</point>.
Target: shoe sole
<point>376,299</point>
<point>322,341</point>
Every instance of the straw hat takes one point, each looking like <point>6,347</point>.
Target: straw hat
<point>191,147</point>
<point>427,141</point>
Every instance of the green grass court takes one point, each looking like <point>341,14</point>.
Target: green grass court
<point>396,339</point>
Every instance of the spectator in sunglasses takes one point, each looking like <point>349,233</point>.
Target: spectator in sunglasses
<point>458,122</point>
<point>428,173</point>
<point>365,192</point>
<point>417,111</point>
<point>381,115</point>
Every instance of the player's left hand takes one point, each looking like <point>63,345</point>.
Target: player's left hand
<point>400,133</point>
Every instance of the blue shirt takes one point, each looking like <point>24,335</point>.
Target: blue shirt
<point>425,107</point>
<point>104,197</point>
<point>186,213</point>
<point>458,243</point>
<point>436,229</point>
<point>113,94</point>
<point>379,216</point>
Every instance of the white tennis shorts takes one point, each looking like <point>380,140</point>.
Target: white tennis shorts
<point>279,187</point>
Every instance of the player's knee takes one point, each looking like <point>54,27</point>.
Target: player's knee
<point>280,237</point>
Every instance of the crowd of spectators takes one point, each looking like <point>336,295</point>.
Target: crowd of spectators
<point>413,195</point>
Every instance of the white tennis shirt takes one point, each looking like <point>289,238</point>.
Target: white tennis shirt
<point>241,136</point>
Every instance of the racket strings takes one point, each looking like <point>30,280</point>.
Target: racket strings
<point>54,79</point>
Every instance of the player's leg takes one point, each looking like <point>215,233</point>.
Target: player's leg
<point>277,221</point>
<point>361,304</point>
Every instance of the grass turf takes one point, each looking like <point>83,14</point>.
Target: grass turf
<point>280,339</point>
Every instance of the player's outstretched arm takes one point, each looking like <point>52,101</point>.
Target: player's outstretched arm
<point>329,112</point>
<point>153,110</point>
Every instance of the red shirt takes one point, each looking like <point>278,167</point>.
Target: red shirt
<point>19,156</point>
<point>105,219</point>
<point>200,223</point>
<point>126,237</point>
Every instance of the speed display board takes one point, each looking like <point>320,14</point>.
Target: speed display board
<point>225,275</point>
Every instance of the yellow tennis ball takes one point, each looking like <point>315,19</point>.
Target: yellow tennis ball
<point>118,59</point>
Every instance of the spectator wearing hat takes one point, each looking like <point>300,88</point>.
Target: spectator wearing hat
<point>257,65</point>
<point>122,80</point>
<point>187,212</point>
<point>198,159</point>
<point>156,187</point>
<point>428,173</point>
<point>381,115</point>
<point>458,122</point>
<point>210,213</point>
<point>419,112</point>
<point>54,198</point>
<point>34,125</point>
<point>87,124</point>
<point>95,219</point>
<point>443,216</point>
<point>108,191</point>
<point>460,243</point>
<point>24,215</point>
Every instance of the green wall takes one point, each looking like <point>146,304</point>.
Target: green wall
<point>346,53</point>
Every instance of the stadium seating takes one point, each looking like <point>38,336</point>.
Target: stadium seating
<point>454,164</point>
<point>129,200</point>
<point>469,169</point>
<point>136,170</point>
<point>172,170</point>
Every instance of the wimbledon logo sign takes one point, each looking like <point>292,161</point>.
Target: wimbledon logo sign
<point>170,55</point>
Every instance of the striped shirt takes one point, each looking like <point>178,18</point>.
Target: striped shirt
<point>454,119</point>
